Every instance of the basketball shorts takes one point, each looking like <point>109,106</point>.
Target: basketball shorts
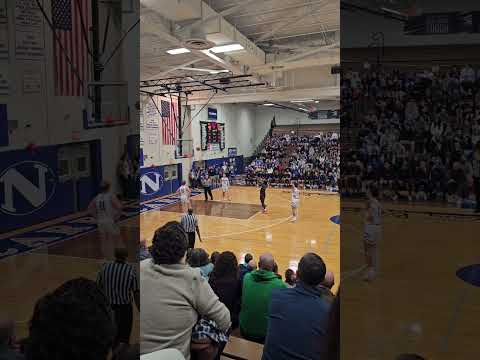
<point>108,226</point>
<point>371,234</point>
<point>184,199</point>
<point>294,204</point>
<point>225,189</point>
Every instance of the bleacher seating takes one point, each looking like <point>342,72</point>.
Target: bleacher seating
<point>241,349</point>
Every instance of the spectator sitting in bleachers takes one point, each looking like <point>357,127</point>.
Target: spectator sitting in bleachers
<point>73,322</point>
<point>256,293</point>
<point>143,252</point>
<point>413,133</point>
<point>226,284</point>
<point>174,295</point>
<point>244,267</point>
<point>290,278</point>
<point>198,258</point>
<point>312,160</point>
<point>298,318</point>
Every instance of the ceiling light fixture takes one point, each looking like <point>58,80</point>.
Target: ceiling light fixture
<point>195,69</point>
<point>268,104</point>
<point>178,51</point>
<point>226,48</point>
<point>213,56</point>
<point>213,72</point>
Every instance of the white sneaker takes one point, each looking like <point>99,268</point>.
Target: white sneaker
<point>294,219</point>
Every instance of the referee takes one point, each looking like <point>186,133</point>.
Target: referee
<point>207,187</point>
<point>119,282</point>
<point>190,225</point>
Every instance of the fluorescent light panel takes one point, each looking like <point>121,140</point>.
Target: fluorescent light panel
<point>268,104</point>
<point>213,56</point>
<point>178,51</point>
<point>226,48</point>
<point>302,101</point>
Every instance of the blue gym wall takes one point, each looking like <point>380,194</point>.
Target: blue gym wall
<point>169,187</point>
<point>165,188</point>
<point>60,200</point>
<point>239,163</point>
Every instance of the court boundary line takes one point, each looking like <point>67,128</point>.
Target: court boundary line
<point>68,219</point>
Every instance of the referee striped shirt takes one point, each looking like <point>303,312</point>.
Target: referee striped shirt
<point>119,281</point>
<point>189,223</point>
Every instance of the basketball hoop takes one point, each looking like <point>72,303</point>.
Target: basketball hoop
<point>106,104</point>
<point>184,148</point>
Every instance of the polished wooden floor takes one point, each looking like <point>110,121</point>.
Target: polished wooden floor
<point>241,227</point>
<point>417,304</point>
<point>27,277</point>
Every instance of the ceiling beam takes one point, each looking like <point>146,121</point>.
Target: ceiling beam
<point>223,13</point>
<point>176,67</point>
<point>258,95</point>
<point>299,15</point>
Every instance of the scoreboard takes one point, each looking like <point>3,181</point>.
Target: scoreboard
<point>212,133</point>
<point>443,23</point>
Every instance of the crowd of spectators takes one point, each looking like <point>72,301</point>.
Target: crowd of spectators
<point>313,161</point>
<point>194,302</point>
<point>412,132</point>
<point>198,174</point>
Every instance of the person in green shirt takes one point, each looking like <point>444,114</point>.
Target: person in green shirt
<point>256,293</point>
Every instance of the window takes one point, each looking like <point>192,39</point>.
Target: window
<point>63,168</point>
<point>171,172</point>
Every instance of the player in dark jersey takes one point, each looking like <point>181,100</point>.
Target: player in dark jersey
<point>263,195</point>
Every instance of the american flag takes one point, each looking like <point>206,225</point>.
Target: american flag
<point>169,115</point>
<point>67,19</point>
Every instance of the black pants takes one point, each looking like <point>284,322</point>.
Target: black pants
<point>262,200</point>
<point>476,187</point>
<point>208,191</point>
<point>191,240</point>
<point>124,320</point>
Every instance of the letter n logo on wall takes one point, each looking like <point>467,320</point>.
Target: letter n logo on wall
<point>151,183</point>
<point>26,187</point>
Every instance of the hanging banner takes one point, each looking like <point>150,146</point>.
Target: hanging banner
<point>32,80</point>
<point>29,31</point>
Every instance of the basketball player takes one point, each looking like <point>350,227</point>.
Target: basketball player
<point>185,193</point>
<point>263,195</point>
<point>295,201</point>
<point>372,232</point>
<point>106,209</point>
<point>226,187</point>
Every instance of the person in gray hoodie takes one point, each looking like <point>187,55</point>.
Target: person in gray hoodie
<point>174,295</point>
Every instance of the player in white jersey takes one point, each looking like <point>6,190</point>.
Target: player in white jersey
<point>226,187</point>
<point>295,201</point>
<point>185,193</point>
<point>106,209</point>
<point>372,232</point>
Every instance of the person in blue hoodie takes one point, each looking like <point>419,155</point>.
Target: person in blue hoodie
<point>299,317</point>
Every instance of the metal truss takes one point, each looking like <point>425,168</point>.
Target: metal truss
<point>196,83</point>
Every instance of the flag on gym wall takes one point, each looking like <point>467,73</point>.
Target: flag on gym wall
<point>169,115</point>
<point>71,21</point>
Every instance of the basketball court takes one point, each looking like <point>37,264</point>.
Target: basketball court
<point>241,227</point>
<point>31,274</point>
<point>417,304</point>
